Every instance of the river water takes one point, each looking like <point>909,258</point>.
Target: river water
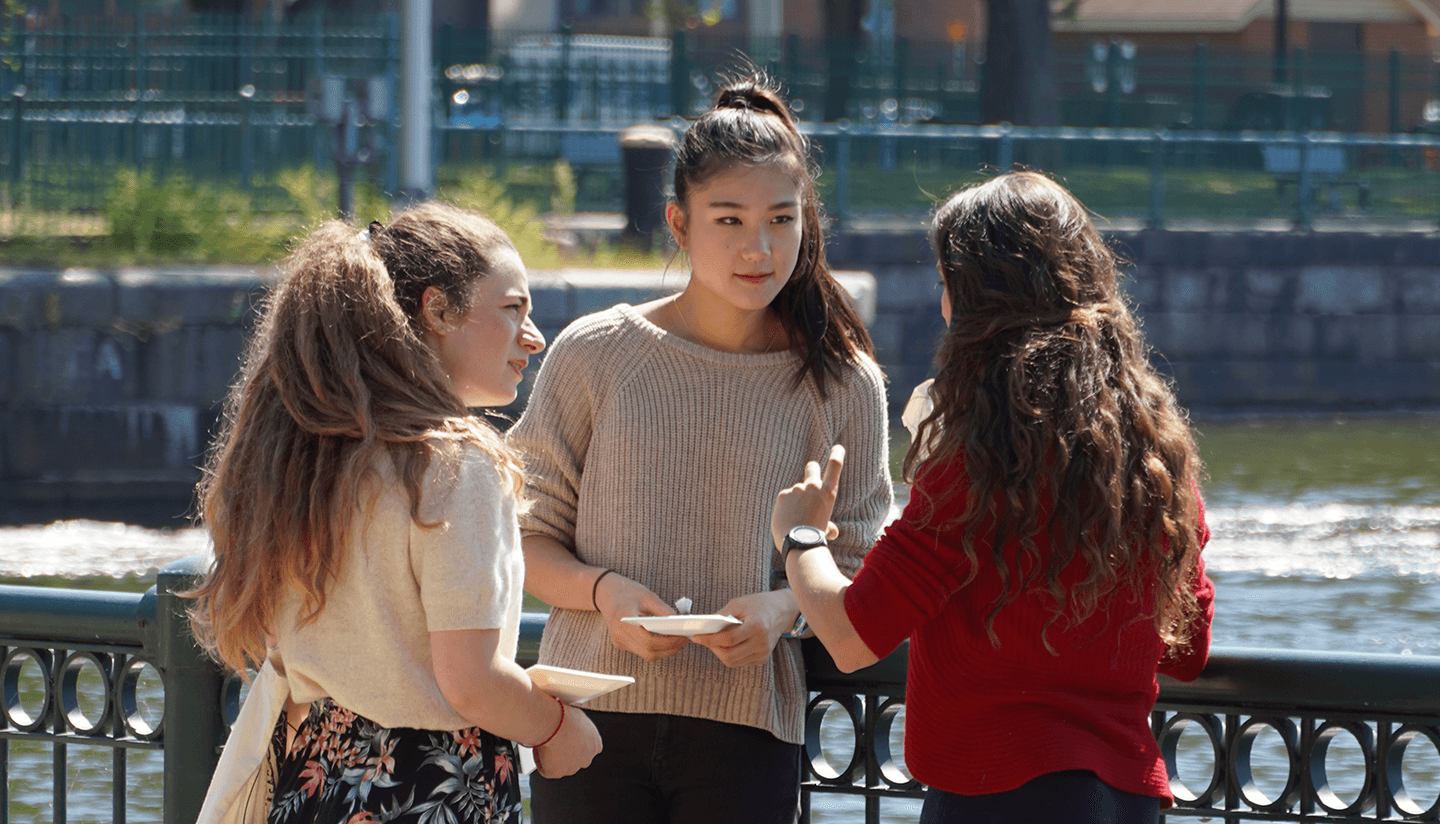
<point>1326,536</point>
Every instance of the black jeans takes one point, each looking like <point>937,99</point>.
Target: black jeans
<point>1069,797</point>
<point>669,768</point>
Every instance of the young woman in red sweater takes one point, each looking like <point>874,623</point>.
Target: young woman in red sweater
<point>1048,563</point>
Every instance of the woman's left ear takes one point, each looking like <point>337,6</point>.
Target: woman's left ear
<point>435,311</point>
<point>675,218</point>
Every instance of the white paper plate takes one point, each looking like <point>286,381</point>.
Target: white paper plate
<point>686,625</point>
<point>576,686</point>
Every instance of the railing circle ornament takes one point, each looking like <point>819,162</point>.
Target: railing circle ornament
<point>71,670</point>
<point>1325,795</point>
<point>1169,741</point>
<point>1400,795</point>
<point>895,775</point>
<point>814,752</point>
<point>1240,764</point>
<point>14,668</point>
<point>127,697</point>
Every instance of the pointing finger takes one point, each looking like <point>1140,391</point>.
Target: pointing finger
<point>833,467</point>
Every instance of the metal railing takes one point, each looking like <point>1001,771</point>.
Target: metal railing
<point>228,99</point>
<point>1384,707</point>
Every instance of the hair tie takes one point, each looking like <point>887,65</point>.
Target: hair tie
<point>369,232</point>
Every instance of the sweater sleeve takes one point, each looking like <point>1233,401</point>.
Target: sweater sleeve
<point>553,435</point>
<point>866,492</point>
<point>911,572</point>
<point>464,554</point>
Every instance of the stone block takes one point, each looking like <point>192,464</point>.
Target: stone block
<point>65,365</point>
<point>218,365</point>
<point>550,300</point>
<point>1341,290</point>
<point>1267,290</point>
<point>1418,337</point>
<point>922,331</point>
<point>901,381</point>
<point>149,298</point>
<point>1225,249</point>
<point>1365,338</point>
<point>1144,285</point>
<point>81,297</point>
<point>7,368</point>
<point>1188,335</point>
<point>1291,336</point>
<point>25,296</point>
<point>901,288</point>
<point>1418,290</point>
<point>1198,289</point>
<point>888,335</point>
<point>68,439</point>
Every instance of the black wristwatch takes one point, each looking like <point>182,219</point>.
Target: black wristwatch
<point>801,538</point>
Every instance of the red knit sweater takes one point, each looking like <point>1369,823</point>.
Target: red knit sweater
<point>981,719</point>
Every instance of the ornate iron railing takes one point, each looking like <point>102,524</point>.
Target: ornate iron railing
<point>1372,718</point>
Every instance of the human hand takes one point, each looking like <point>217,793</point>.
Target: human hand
<point>764,616</point>
<point>620,597</point>
<point>573,747</point>
<point>810,502</point>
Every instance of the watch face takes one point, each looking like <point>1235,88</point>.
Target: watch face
<point>807,536</point>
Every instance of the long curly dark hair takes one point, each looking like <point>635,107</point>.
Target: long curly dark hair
<point>1046,396</point>
<point>750,124</point>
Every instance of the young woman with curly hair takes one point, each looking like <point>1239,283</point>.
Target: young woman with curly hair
<point>1048,563</point>
<point>367,548</point>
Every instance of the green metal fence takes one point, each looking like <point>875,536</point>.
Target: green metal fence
<point>234,101</point>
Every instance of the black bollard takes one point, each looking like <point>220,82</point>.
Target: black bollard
<point>647,152</point>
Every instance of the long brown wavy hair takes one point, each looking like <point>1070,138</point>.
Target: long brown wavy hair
<point>1046,396</point>
<point>750,124</point>
<point>336,378</point>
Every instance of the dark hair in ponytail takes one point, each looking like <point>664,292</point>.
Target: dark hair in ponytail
<point>750,124</point>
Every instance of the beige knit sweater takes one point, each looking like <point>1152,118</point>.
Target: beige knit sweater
<point>660,458</point>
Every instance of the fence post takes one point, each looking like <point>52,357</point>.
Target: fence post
<point>679,75</point>
<point>1157,179</point>
<point>1006,148</point>
<point>139,90</point>
<point>1307,182</point>
<point>1202,59</point>
<point>17,142</point>
<point>842,172</point>
<point>562,83</point>
<point>1394,91</point>
<point>901,71</point>
<point>194,727</point>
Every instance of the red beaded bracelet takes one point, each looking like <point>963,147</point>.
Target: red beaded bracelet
<point>558,725</point>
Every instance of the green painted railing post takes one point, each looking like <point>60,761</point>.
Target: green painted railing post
<point>679,75</point>
<point>140,57</point>
<point>1202,81</point>
<point>194,726</point>
<point>562,82</point>
<point>842,173</point>
<point>1395,91</point>
<point>1303,210</point>
<point>1157,179</point>
<point>901,70</point>
<point>392,118</point>
<point>17,142</point>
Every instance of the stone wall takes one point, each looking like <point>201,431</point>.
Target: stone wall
<point>1243,321</point>
<point>111,381</point>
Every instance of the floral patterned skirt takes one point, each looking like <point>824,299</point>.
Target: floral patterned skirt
<point>342,768</point>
